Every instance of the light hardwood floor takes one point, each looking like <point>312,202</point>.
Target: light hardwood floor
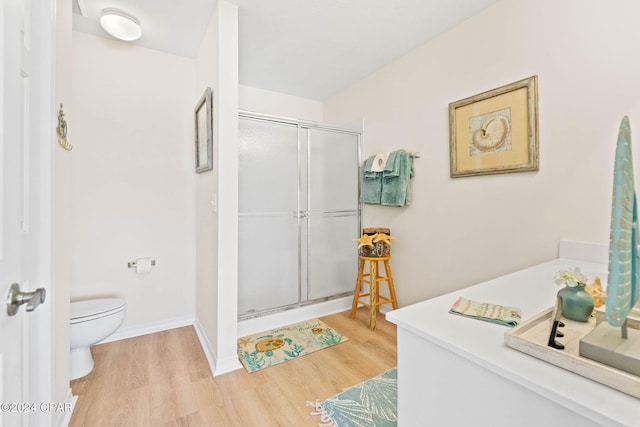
<point>163,379</point>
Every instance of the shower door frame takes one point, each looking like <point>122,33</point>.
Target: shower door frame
<point>302,215</point>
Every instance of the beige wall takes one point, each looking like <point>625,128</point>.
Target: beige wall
<point>463,231</point>
<point>133,181</point>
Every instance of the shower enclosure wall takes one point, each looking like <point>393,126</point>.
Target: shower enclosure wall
<point>298,213</point>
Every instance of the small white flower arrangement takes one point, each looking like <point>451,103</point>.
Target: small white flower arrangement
<point>572,277</point>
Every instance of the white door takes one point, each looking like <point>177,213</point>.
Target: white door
<point>26,128</point>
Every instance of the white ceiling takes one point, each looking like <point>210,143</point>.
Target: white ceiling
<point>307,48</point>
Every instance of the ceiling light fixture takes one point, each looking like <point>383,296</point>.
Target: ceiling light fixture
<point>120,24</point>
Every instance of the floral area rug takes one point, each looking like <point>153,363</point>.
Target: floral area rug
<point>373,403</point>
<point>269,348</point>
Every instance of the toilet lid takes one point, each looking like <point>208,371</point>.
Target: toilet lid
<point>87,308</point>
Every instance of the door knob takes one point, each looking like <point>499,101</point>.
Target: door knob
<point>17,298</point>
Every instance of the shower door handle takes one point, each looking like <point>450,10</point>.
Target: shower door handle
<point>300,214</point>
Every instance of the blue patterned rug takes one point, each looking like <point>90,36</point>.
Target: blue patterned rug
<point>373,403</point>
<point>269,348</point>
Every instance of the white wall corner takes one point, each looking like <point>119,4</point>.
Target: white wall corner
<point>584,251</point>
<point>226,365</point>
<point>227,280</point>
<point>209,353</point>
<point>64,417</point>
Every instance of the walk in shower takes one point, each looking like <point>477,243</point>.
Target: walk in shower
<point>298,213</point>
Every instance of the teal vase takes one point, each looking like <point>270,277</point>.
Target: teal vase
<point>577,303</point>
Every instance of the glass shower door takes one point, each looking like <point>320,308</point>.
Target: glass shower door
<point>298,214</point>
<point>269,225</point>
<point>333,218</point>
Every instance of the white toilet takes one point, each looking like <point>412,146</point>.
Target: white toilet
<point>91,322</point>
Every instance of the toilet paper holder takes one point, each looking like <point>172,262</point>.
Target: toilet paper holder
<point>134,264</point>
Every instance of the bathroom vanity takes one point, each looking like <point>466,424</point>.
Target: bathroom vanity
<point>454,370</point>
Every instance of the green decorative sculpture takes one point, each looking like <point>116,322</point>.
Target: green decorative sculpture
<point>622,290</point>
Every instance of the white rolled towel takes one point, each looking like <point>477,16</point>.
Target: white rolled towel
<point>379,162</point>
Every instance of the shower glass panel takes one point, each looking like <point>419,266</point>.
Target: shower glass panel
<point>298,211</point>
<point>333,179</point>
<point>333,218</point>
<point>268,167</point>
<point>332,255</point>
<point>268,227</point>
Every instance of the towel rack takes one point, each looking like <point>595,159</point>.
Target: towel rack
<point>415,155</point>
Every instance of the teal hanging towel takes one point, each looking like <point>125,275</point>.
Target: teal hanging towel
<point>370,184</point>
<point>396,189</point>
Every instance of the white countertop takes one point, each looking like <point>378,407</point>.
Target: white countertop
<point>533,291</point>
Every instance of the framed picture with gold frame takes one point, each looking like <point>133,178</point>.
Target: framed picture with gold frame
<point>496,131</point>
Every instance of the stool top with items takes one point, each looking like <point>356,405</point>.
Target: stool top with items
<point>375,247</point>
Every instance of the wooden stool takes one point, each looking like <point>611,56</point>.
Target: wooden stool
<point>375,300</point>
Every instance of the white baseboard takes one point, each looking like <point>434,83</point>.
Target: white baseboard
<point>295,315</point>
<point>217,367</point>
<point>64,418</point>
<point>227,365</point>
<point>206,346</point>
<point>149,328</point>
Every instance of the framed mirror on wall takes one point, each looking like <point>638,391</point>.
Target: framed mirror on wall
<point>204,132</point>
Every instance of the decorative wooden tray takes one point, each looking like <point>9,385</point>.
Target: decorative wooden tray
<point>531,337</point>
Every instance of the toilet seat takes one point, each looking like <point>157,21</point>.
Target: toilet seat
<point>84,311</point>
